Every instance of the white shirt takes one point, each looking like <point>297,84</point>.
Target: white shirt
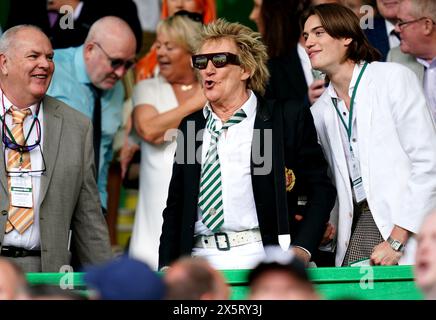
<point>393,39</point>
<point>234,151</point>
<point>78,10</point>
<point>345,116</point>
<point>305,63</point>
<point>430,84</point>
<point>30,239</point>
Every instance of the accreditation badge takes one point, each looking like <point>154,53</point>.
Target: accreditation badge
<point>21,191</point>
<point>356,180</point>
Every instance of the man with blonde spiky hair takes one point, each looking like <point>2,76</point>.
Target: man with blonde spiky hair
<point>232,201</point>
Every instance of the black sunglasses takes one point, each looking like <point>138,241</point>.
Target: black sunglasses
<point>116,62</point>
<point>219,59</point>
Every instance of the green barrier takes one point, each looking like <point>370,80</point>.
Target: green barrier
<point>372,283</point>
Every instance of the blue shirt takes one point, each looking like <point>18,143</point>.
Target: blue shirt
<point>72,85</point>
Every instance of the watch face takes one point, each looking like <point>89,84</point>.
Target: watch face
<point>396,245</point>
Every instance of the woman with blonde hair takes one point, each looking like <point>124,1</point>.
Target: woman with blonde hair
<point>146,67</point>
<point>160,104</point>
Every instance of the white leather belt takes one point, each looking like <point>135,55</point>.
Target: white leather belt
<point>225,240</point>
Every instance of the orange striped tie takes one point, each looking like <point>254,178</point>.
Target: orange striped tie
<point>19,218</point>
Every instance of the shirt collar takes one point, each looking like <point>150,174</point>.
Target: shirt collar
<point>356,71</point>
<point>7,105</point>
<point>80,67</point>
<point>389,27</point>
<point>249,107</point>
<point>302,54</point>
<point>425,63</point>
<point>78,10</point>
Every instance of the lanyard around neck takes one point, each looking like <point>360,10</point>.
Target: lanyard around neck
<point>350,116</point>
<point>3,120</point>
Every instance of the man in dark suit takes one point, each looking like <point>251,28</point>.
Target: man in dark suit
<point>232,201</point>
<point>48,190</point>
<point>383,36</point>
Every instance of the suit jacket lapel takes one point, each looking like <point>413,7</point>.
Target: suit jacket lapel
<point>195,170</point>
<point>200,124</point>
<point>332,127</point>
<point>3,178</point>
<point>52,135</point>
<point>262,121</point>
<point>364,119</point>
<point>421,73</point>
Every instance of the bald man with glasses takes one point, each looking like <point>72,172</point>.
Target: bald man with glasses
<point>417,28</point>
<point>88,79</point>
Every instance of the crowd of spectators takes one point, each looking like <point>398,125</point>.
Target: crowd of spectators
<point>311,142</point>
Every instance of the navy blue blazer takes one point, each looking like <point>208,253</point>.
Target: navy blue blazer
<point>378,36</point>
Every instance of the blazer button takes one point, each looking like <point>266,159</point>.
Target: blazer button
<point>4,212</point>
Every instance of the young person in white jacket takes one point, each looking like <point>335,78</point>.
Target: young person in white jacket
<point>378,137</point>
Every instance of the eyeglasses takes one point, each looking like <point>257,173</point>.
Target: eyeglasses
<point>402,24</point>
<point>219,60</point>
<point>116,62</point>
<point>10,144</point>
<point>33,173</point>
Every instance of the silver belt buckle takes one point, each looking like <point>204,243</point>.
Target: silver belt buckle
<point>226,238</point>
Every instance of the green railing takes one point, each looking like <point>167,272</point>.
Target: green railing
<point>373,283</point>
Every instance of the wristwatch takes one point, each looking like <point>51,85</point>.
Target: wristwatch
<point>395,244</point>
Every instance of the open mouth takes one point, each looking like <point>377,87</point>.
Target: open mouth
<point>40,76</point>
<point>164,64</point>
<point>208,84</point>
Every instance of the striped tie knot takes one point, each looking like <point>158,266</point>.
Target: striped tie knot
<point>210,195</point>
<point>19,115</point>
<point>235,119</point>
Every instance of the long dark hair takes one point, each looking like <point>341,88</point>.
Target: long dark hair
<point>341,22</point>
<point>281,21</point>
